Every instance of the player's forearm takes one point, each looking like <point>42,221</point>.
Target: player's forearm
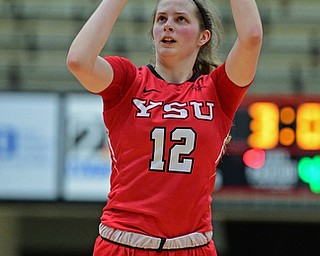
<point>91,39</point>
<point>247,21</point>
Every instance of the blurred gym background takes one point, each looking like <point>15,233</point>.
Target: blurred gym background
<point>53,172</point>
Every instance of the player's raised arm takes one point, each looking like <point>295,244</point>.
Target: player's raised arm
<point>83,59</point>
<point>241,63</point>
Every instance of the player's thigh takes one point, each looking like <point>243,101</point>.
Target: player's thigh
<point>105,248</point>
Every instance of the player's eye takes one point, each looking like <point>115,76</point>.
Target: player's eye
<point>161,18</point>
<point>181,18</point>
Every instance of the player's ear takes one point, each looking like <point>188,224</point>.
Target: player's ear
<point>204,37</point>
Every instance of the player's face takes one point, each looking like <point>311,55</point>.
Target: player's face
<point>176,29</point>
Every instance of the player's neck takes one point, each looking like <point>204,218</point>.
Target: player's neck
<point>175,74</point>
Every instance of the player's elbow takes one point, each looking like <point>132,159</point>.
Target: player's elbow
<point>79,68</point>
<point>73,62</point>
<point>254,37</point>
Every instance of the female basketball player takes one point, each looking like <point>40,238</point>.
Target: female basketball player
<point>167,123</point>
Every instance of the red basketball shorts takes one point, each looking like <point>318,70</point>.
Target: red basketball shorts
<point>106,248</point>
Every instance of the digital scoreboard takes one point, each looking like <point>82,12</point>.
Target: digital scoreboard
<point>275,144</point>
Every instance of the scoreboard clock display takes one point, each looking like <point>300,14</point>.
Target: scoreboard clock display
<point>275,144</point>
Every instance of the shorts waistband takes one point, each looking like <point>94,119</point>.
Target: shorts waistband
<point>141,241</point>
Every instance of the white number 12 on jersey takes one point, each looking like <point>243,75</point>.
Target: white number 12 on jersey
<point>185,141</point>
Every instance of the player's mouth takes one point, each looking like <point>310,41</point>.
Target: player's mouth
<point>168,40</point>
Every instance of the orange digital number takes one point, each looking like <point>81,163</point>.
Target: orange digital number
<point>264,125</point>
<point>308,126</point>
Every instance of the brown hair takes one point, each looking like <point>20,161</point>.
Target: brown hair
<point>208,58</point>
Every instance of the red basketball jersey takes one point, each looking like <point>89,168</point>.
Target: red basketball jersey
<point>165,141</point>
